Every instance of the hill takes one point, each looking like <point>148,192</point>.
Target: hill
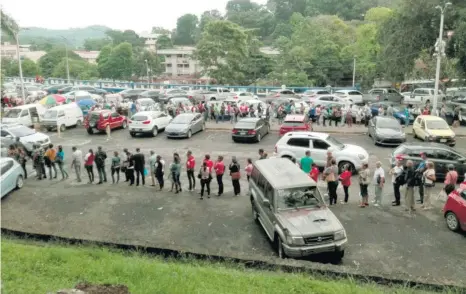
<point>75,36</point>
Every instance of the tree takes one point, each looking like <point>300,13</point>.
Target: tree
<point>251,15</point>
<point>79,69</point>
<point>128,36</point>
<point>160,31</point>
<point>164,42</point>
<point>96,44</point>
<point>120,62</point>
<point>9,26</point>
<point>223,51</point>
<point>208,16</point>
<point>186,27</point>
<point>48,62</point>
<point>103,66</point>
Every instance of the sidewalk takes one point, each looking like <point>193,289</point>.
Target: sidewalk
<point>355,129</point>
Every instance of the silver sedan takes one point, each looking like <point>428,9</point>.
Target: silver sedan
<point>185,125</point>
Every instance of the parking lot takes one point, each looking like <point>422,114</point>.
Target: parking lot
<point>382,241</point>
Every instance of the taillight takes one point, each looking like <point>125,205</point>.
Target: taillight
<point>235,97</point>
<point>400,156</point>
<point>277,95</point>
<point>251,132</point>
<point>146,122</point>
<point>190,97</point>
<point>234,131</point>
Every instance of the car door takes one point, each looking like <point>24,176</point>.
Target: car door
<point>298,146</point>
<point>7,181</point>
<point>115,120</point>
<point>417,126</point>
<point>318,148</point>
<point>442,158</point>
<point>25,118</point>
<point>422,130</point>
<point>7,138</point>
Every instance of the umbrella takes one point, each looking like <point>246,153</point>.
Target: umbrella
<point>52,99</point>
<point>86,102</point>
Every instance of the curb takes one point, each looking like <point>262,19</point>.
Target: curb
<point>248,263</point>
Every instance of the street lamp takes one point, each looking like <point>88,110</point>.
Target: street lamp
<point>15,34</point>
<point>67,62</point>
<point>440,48</point>
<point>147,69</point>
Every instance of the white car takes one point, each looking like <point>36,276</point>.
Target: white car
<point>295,145</point>
<point>81,95</point>
<point>149,122</point>
<point>325,100</point>
<point>244,96</point>
<point>27,136</point>
<point>352,95</point>
<point>146,104</point>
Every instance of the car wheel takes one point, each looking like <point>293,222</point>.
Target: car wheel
<point>155,131</point>
<point>19,182</point>
<point>234,140</point>
<point>452,221</point>
<point>414,135</point>
<point>49,129</point>
<point>255,215</point>
<point>79,123</point>
<point>90,131</point>
<point>62,128</point>
<point>123,126</point>
<point>132,134</point>
<point>279,245</point>
<point>338,256</point>
<point>343,164</point>
<point>258,138</point>
<point>212,99</point>
<point>189,134</point>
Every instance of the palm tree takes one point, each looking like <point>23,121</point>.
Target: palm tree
<point>9,25</point>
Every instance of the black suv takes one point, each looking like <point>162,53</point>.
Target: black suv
<point>441,155</point>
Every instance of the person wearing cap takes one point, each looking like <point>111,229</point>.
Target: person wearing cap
<point>420,169</point>
<point>450,179</point>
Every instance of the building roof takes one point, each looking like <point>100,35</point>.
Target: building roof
<point>177,50</point>
<point>87,54</point>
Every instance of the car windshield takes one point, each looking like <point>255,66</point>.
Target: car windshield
<point>301,197</point>
<point>95,116</point>
<point>291,124</point>
<point>334,142</point>
<point>437,125</point>
<point>388,124</point>
<point>50,114</point>
<point>12,113</point>
<point>139,117</point>
<point>22,131</point>
<point>182,119</point>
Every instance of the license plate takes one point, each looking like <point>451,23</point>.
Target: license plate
<point>443,140</point>
<point>243,133</point>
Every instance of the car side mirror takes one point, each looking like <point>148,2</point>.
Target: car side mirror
<point>9,136</point>
<point>267,203</point>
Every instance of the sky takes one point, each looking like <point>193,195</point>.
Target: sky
<point>138,15</point>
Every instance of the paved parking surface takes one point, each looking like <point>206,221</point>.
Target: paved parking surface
<point>384,241</point>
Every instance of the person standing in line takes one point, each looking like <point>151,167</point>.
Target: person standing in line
<point>160,170</point>
<point>364,180</point>
<point>248,168</point>
<point>76,162</point>
<point>190,166</point>
<point>125,165</point>
<point>410,180</point>
<point>397,172</point>
<point>130,169</point>
<point>330,157</point>
<point>421,168</point>
<point>100,157</point>
<point>22,156</point>
<point>306,162</point>
<point>175,169</point>
<point>219,168</point>
<point>235,175</point>
<point>152,162</point>
<point>262,154</point>
<point>450,180</point>
<point>89,165</point>
<point>205,177</point>
<point>41,158</point>
<point>208,161</point>
<point>51,155</point>
<point>115,168</point>
<point>330,175</point>
<point>367,115</point>
<point>139,163</point>
<point>429,183</point>
<point>60,160</point>
<point>345,178</point>
<point>379,181</point>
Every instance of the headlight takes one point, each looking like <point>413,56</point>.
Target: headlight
<point>340,235</point>
<point>292,240</point>
<point>403,135</point>
<point>361,156</point>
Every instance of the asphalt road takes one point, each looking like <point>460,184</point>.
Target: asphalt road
<point>382,241</point>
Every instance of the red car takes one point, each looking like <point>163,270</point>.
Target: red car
<point>294,123</point>
<point>455,211</point>
<point>98,120</point>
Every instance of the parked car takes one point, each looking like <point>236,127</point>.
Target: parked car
<point>386,131</point>
<point>250,129</point>
<point>422,96</point>
<point>173,93</point>
<point>294,123</point>
<point>383,94</point>
<point>197,95</point>
<point>54,88</point>
<point>153,94</point>
<point>34,92</point>
<point>326,100</point>
<point>351,95</point>
<point>77,96</point>
<point>63,116</point>
<point>12,175</point>
<point>148,122</point>
<point>398,111</point>
<point>282,93</point>
<point>27,136</point>
<point>440,154</point>
<point>454,211</point>
<point>131,94</point>
<point>146,104</point>
<point>292,212</point>
<point>432,128</point>
<point>24,114</point>
<point>90,89</point>
<point>98,120</point>
<point>310,95</point>
<point>218,94</point>
<point>295,145</point>
<point>185,125</point>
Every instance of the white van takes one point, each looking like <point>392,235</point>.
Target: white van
<point>24,115</point>
<point>63,116</point>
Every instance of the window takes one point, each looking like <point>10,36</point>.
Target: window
<point>24,113</point>
<point>377,92</point>
<point>105,115</point>
<point>268,192</point>
<point>162,115</point>
<point>287,92</point>
<point>4,133</point>
<point>419,120</point>
<point>299,142</point>
<point>446,155</point>
<point>261,183</point>
<point>6,166</point>
<point>169,65</point>
<point>61,113</point>
<point>179,55</point>
<point>423,124</point>
<point>392,91</point>
<point>115,114</point>
<point>354,93</point>
<point>319,144</point>
<point>186,65</point>
<point>179,65</point>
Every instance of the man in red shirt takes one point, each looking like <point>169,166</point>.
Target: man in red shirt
<point>345,178</point>
<point>210,163</point>
<point>219,167</point>
<point>190,166</point>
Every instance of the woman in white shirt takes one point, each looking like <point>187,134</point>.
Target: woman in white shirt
<point>379,181</point>
<point>429,183</point>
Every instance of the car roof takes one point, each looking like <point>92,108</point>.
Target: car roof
<point>101,111</point>
<point>186,114</point>
<point>282,173</point>
<point>10,126</point>
<point>388,118</point>
<point>5,159</point>
<point>295,117</point>
<point>318,135</point>
<point>431,117</point>
<point>249,119</point>
<point>427,145</point>
<point>147,112</point>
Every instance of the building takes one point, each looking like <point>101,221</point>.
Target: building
<point>89,56</point>
<point>150,41</point>
<point>9,50</point>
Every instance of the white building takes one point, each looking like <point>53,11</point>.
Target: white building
<point>150,41</point>
<point>9,50</point>
<point>89,56</point>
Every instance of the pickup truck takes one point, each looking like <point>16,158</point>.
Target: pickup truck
<point>216,94</point>
<point>383,94</point>
<point>422,96</point>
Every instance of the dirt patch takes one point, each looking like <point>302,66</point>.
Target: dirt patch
<point>102,289</point>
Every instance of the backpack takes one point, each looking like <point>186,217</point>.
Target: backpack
<point>401,179</point>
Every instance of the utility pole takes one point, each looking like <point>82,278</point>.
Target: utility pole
<point>20,66</point>
<point>440,50</point>
<point>354,71</point>
<point>147,69</point>
<point>67,61</point>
